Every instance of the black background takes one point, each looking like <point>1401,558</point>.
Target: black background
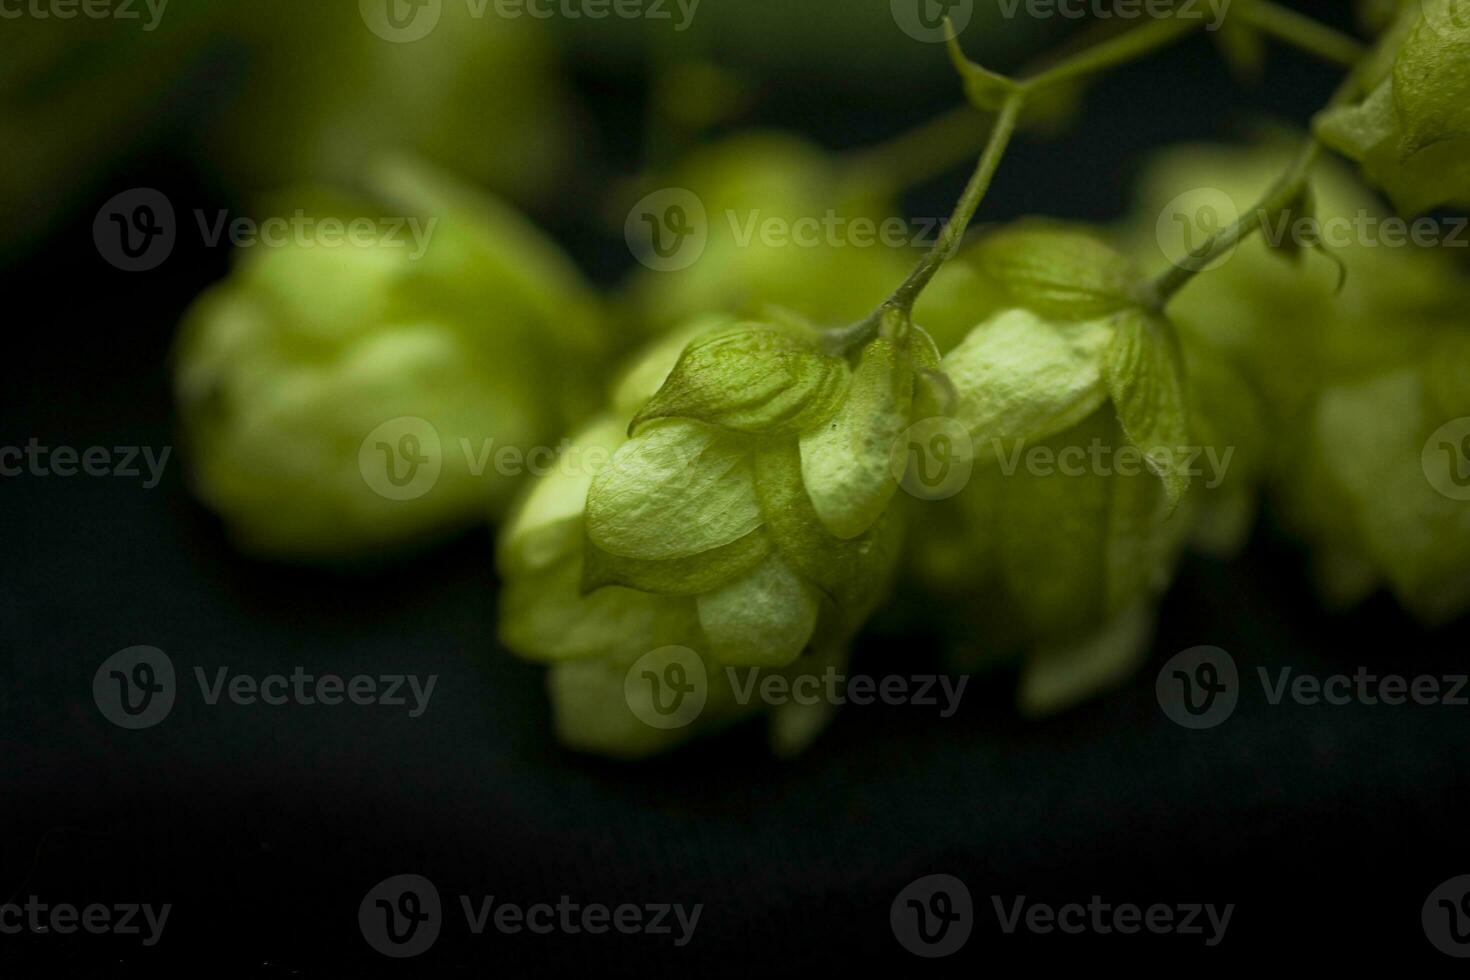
<point>1327,827</point>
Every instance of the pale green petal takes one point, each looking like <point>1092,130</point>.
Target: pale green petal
<point>1059,272</point>
<point>545,616</point>
<point>677,489</point>
<point>845,463</point>
<point>763,619</point>
<point>676,576</point>
<point>1144,373</point>
<point>855,572</point>
<point>547,523</point>
<point>642,379</point>
<point>751,378</point>
<point>1022,378</point>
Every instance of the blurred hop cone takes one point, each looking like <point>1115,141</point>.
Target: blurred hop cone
<point>346,396</point>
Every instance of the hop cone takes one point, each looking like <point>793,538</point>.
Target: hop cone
<point>731,517</point>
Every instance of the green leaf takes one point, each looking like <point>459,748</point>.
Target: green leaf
<point>752,378</point>
<point>1059,272</point>
<point>856,572</point>
<point>1022,378</point>
<point>676,576</point>
<point>547,523</point>
<point>677,489</point>
<point>845,463</point>
<point>1144,372</point>
<point>763,619</point>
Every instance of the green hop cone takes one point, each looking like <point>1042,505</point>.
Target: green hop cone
<point>1354,384</point>
<point>731,517</point>
<point>1078,411</point>
<point>343,399</point>
<point>1411,134</point>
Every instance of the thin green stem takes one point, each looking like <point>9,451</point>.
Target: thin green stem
<point>903,299</point>
<point>1300,31</point>
<point>949,239</point>
<point>1122,49</point>
<point>1287,188</point>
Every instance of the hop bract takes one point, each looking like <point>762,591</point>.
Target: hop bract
<point>734,505</point>
<point>348,396</point>
<point>1411,134</point>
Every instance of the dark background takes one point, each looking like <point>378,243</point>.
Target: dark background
<point>1327,827</point>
